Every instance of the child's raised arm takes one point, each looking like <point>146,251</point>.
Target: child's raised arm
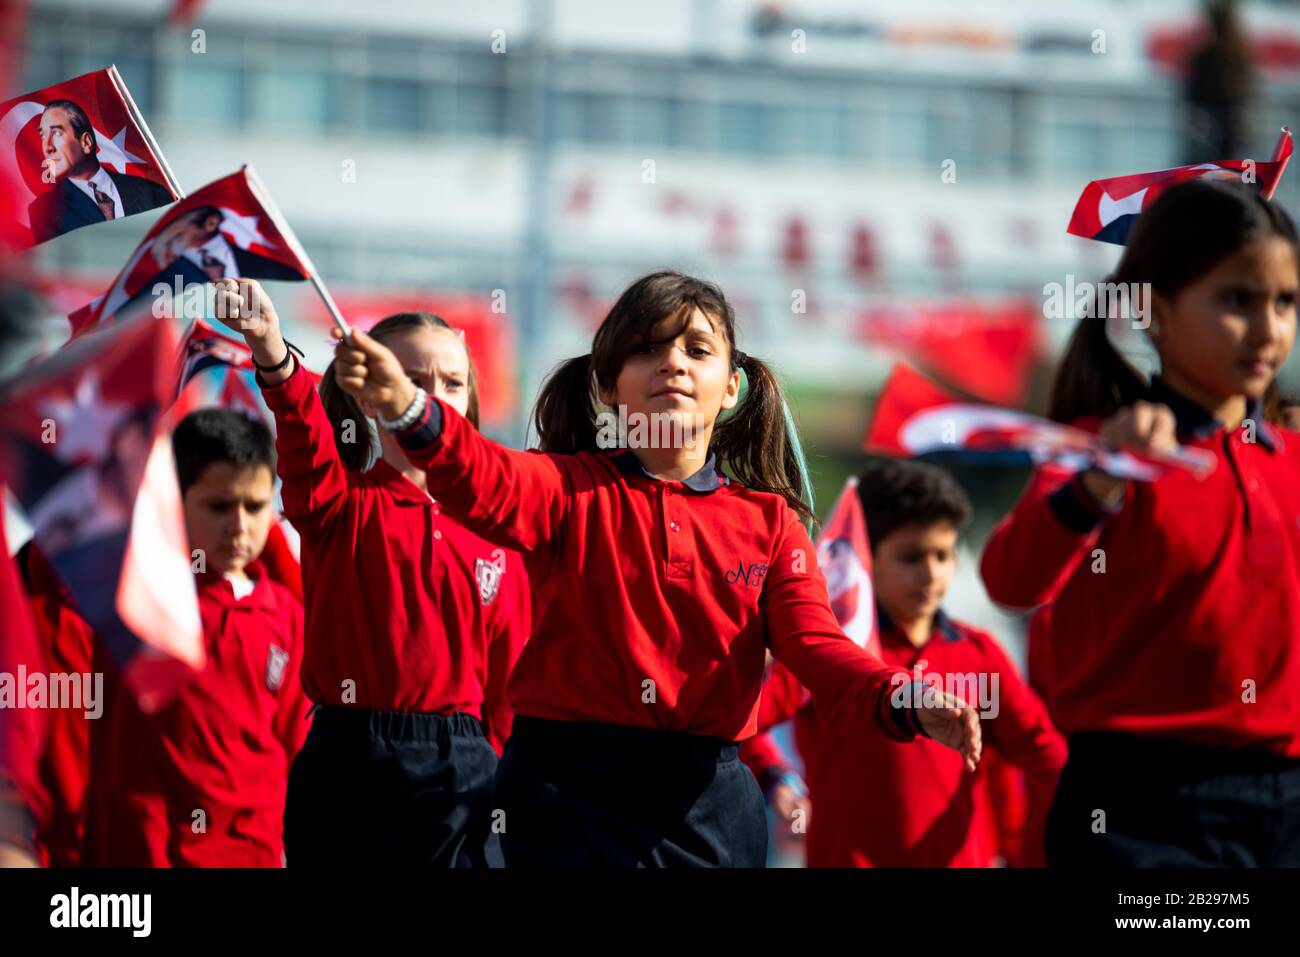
<point>307,460</point>
<point>510,498</point>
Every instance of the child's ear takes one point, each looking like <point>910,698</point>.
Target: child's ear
<point>732,393</point>
<point>1157,317</point>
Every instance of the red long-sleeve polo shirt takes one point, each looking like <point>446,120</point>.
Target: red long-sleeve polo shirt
<point>202,782</point>
<point>1177,614</point>
<point>407,610</point>
<point>654,600</point>
<point>878,804</point>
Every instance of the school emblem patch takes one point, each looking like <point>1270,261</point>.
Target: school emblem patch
<point>488,576</point>
<point>277,659</point>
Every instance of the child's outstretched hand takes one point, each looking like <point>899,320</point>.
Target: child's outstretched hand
<point>951,721</point>
<point>368,371</point>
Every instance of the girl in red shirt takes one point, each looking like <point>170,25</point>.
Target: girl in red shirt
<point>1173,639</point>
<point>659,584</point>
<point>412,621</point>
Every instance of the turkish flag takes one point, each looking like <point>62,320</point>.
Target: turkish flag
<point>230,228</point>
<point>914,416</point>
<point>84,447</point>
<point>41,177</point>
<point>844,556</point>
<point>1108,208</point>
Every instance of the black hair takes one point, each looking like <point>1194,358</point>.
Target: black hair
<point>219,435</point>
<point>751,441</point>
<point>896,493</point>
<point>345,413</point>
<point>1184,234</point>
<point>77,117</point>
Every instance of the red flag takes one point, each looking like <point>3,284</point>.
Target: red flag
<point>75,154</point>
<point>984,347</point>
<point>914,416</point>
<point>84,447</point>
<point>844,555</point>
<point>1108,208</point>
<point>184,11</point>
<point>228,229</point>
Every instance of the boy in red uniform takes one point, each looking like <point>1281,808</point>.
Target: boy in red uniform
<point>202,782</point>
<point>878,803</point>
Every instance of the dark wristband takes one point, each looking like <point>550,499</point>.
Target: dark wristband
<point>289,350</point>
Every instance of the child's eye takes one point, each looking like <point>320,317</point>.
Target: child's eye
<point>1236,297</point>
<point>1286,300</point>
<point>700,350</point>
<point>454,384</point>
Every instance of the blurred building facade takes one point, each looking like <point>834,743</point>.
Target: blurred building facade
<point>859,153</point>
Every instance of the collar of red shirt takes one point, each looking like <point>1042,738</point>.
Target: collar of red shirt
<point>1195,421</point>
<point>707,479</point>
<point>398,484</point>
<point>219,589</point>
<point>943,625</point>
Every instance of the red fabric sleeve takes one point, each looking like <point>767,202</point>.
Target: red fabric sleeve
<point>515,499</point>
<point>762,754</point>
<point>1037,547</point>
<point>850,688</point>
<point>314,477</point>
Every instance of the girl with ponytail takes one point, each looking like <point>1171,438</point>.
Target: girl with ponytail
<point>659,580</point>
<point>1173,638</point>
<point>412,621</point>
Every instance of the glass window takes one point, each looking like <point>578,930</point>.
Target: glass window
<point>568,112</point>
<point>825,129</point>
<point>651,120</point>
<point>392,105</point>
<point>294,96</point>
<point>740,128</point>
<point>1077,145</point>
<point>906,131</point>
<point>480,109</point>
<point>209,90</point>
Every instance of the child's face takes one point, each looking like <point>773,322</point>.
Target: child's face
<point>436,360</point>
<point>912,568</point>
<point>688,378</point>
<point>228,515</point>
<point>1228,333</point>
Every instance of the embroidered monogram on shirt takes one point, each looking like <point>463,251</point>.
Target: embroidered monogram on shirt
<point>752,576</point>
